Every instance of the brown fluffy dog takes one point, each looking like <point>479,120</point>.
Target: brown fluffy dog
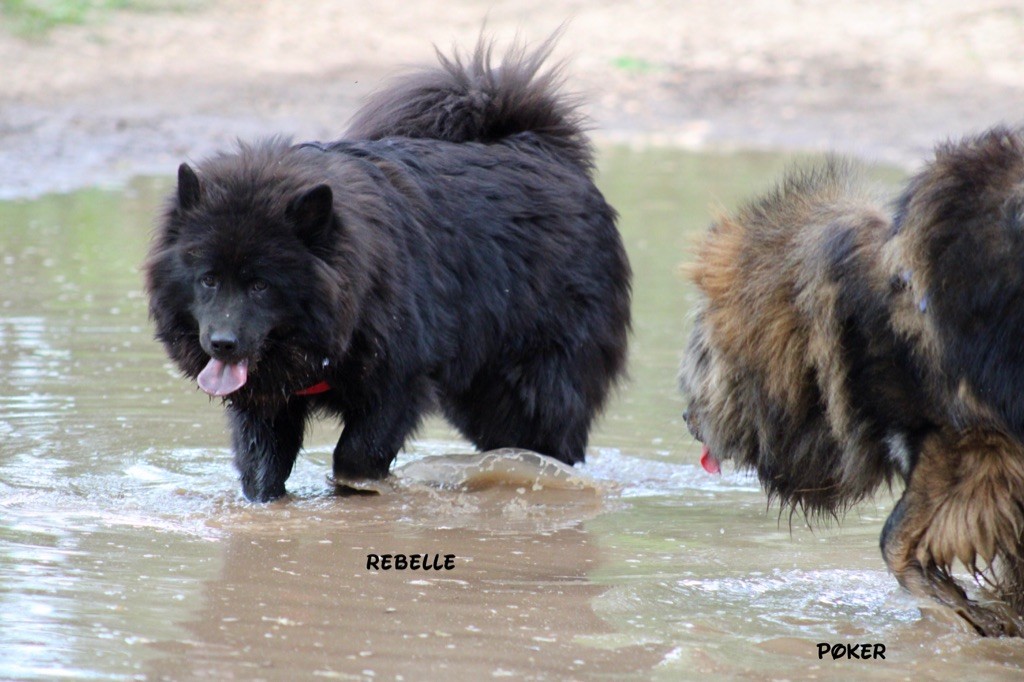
<point>840,344</point>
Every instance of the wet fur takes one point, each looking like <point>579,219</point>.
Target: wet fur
<point>451,252</point>
<point>841,343</point>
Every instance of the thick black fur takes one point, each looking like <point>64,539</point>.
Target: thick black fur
<point>451,252</point>
<point>976,213</point>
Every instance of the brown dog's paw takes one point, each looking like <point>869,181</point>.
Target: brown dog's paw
<point>990,619</point>
<point>995,620</point>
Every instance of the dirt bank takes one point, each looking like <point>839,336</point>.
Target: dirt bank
<point>137,92</point>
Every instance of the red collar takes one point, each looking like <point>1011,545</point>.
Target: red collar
<point>322,387</point>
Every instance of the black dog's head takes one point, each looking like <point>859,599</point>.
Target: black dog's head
<point>242,265</point>
<point>960,230</point>
<point>238,275</point>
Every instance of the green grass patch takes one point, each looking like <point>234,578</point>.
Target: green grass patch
<point>633,64</point>
<point>35,18</point>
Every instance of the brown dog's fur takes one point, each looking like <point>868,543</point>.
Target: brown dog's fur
<point>840,344</point>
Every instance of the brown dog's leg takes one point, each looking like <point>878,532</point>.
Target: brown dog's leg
<point>1011,583</point>
<point>950,510</point>
<point>900,540</point>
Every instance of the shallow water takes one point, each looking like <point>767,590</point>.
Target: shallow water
<point>127,552</point>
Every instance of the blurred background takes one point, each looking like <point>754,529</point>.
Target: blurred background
<point>100,89</point>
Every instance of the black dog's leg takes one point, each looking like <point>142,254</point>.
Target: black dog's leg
<point>376,431</point>
<point>265,448</point>
<point>536,405</point>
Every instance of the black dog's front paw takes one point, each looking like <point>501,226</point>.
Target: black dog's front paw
<point>265,449</point>
<point>254,491</point>
<point>356,469</point>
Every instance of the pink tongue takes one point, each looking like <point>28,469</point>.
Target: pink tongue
<point>219,378</point>
<point>708,461</point>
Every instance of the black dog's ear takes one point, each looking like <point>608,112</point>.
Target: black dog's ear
<point>189,189</point>
<point>313,213</point>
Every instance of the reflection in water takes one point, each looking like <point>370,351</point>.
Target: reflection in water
<point>300,592</point>
<point>126,551</point>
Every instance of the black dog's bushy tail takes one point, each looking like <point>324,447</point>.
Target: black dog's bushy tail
<point>470,100</point>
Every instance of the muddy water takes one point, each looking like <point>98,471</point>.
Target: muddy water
<point>126,551</point>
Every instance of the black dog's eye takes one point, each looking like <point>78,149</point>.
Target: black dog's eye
<point>258,285</point>
<point>208,281</point>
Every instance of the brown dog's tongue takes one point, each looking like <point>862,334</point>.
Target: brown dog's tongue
<point>219,378</point>
<point>708,461</point>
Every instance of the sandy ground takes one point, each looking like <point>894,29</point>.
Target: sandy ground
<point>134,93</point>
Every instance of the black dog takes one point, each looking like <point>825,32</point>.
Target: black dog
<point>451,252</point>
